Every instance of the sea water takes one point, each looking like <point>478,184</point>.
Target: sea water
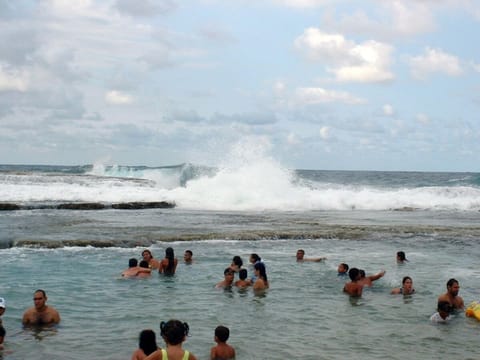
<point>361,218</point>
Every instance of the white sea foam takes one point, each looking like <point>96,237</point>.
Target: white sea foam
<point>247,179</point>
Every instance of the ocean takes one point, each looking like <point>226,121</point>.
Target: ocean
<point>70,230</point>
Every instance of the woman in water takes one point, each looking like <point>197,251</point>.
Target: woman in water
<point>407,287</point>
<point>169,263</point>
<point>261,274</point>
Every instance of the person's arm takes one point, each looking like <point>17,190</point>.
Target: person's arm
<point>213,353</point>
<point>395,291</point>
<point>26,317</point>
<point>191,356</point>
<point>377,276</point>
<point>156,355</point>
<point>56,316</point>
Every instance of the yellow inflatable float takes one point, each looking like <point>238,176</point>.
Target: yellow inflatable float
<point>473,310</point>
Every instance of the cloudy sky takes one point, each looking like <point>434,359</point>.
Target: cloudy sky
<point>339,84</point>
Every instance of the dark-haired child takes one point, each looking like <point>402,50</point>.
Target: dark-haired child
<point>174,333</point>
<point>222,350</point>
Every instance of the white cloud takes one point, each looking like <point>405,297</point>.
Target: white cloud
<point>388,110</point>
<point>302,3</point>
<point>434,61</point>
<point>310,95</point>
<point>423,119</point>
<point>349,62</point>
<point>13,80</point>
<point>325,132</point>
<point>118,98</point>
<point>292,139</point>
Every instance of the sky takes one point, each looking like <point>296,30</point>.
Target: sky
<point>314,84</point>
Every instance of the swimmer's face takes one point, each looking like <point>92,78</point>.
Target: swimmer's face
<point>454,289</point>
<point>146,256</point>
<point>2,310</point>
<point>39,300</point>
<point>187,257</point>
<point>407,285</point>
<point>341,269</point>
<point>300,255</point>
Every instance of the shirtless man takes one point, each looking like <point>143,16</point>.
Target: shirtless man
<point>40,313</point>
<point>354,287</point>
<point>148,257</point>
<point>188,256</point>
<point>368,280</point>
<point>451,296</point>
<point>301,257</point>
<point>229,276</point>
<point>134,270</point>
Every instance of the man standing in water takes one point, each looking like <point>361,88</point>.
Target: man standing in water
<point>40,313</point>
<point>451,296</point>
<point>301,257</point>
<point>353,288</point>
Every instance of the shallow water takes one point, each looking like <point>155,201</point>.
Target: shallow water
<point>303,315</point>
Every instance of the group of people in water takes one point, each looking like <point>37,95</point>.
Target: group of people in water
<point>447,303</point>
<point>174,332</point>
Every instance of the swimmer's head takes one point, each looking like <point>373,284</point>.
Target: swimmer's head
<point>174,331</point>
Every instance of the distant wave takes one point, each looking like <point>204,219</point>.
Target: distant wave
<point>258,183</point>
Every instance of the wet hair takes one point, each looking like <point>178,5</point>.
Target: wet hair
<point>261,268</point>
<point>189,252</point>
<point>222,333</point>
<point>169,254</point>
<point>147,341</point>
<point>451,282</point>
<point>301,251</point>
<point>345,266</point>
<point>353,273</point>
<point>242,274</point>
<point>41,291</point>
<point>174,331</point>
<point>362,273</point>
<point>132,262</point>
<point>405,279</point>
<point>227,271</point>
<point>144,264</point>
<point>3,332</point>
<point>401,256</point>
<point>255,257</point>
<point>237,260</point>
<point>444,306</point>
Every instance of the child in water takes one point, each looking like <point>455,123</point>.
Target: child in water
<point>222,350</point>
<point>174,333</point>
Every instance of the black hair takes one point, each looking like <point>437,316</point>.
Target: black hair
<point>132,262</point>
<point>41,291</point>
<point>169,254</point>
<point>345,266</point>
<point>242,274</point>
<point>255,257</point>
<point>147,341</point>
<point>451,282</point>
<point>401,256</point>
<point>361,272</point>
<point>222,333</point>
<point>144,264</point>
<point>237,260</point>
<point>189,251</point>
<point>3,332</point>
<point>353,273</point>
<point>174,331</point>
<point>228,270</point>
<point>444,306</point>
<point>261,268</point>
<point>405,279</point>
